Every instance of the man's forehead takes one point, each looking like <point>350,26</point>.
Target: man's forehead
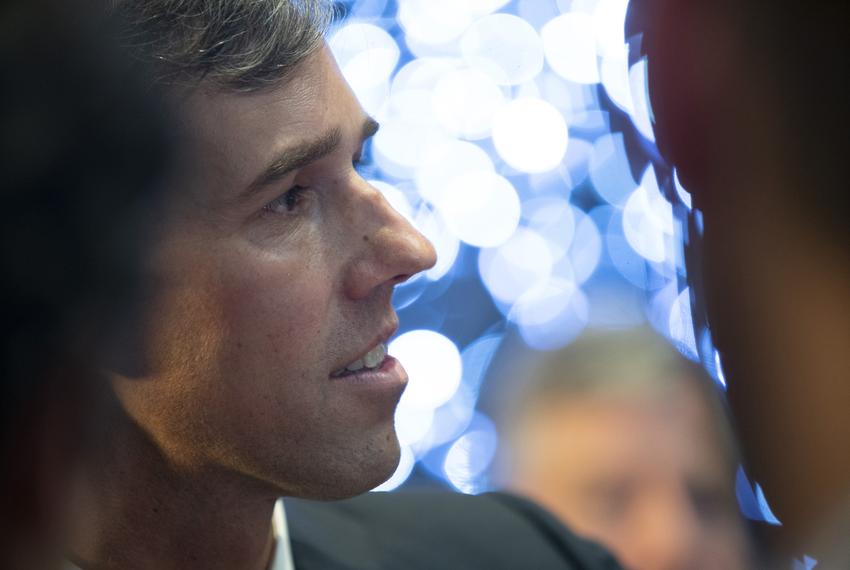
<point>301,100</point>
<point>236,134</point>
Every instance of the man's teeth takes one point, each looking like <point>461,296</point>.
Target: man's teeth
<point>372,359</point>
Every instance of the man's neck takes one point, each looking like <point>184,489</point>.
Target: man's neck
<point>141,511</point>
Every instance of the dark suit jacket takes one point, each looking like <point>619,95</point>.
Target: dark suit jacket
<point>435,531</point>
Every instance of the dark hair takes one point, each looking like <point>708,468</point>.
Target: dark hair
<point>804,49</point>
<point>82,152</point>
<point>241,45</point>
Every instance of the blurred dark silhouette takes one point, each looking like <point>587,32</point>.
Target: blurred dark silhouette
<point>83,151</point>
<point>751,108</point>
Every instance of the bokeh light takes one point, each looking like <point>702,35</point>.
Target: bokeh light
<point>520,264</point>
<point>430,223</point>
<point>481,208</point>
<point>367,56</point>
<point>465,101</point>
<point>517,136</point>
<point>530,135</point>
<point>470,455</point>
<point>505,47</point>
<point>433,22</point>
<point>433,366</point>
<point>570,46</point>
<point>683,194</point>
<point>641,108</point>
<point>681,325</point>
<point>552,315</point>
<point>648,220</point>
<point>445,162</point>
<point>609,169</point>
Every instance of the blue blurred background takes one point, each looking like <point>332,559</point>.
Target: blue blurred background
<point>516,135</point>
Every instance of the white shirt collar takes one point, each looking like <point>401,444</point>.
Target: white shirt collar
<point>282,558</point>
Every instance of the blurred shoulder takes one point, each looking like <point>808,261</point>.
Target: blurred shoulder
<point>424,530</point>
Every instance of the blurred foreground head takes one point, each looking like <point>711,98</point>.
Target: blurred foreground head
<point>627,442</point>
<point>750,107</point>
<point>81,156</point>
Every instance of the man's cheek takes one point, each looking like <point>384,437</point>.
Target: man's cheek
<point>276,318</point>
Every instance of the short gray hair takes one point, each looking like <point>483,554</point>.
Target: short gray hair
<point>633,364</point>
<point>238,45</point>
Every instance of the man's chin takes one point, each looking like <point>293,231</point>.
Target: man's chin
<point>357,474</point>
<point>372,476</point>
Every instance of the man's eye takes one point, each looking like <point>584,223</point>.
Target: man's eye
<point>287,202</point>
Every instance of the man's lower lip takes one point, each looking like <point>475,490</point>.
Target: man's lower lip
<point>389,373</point>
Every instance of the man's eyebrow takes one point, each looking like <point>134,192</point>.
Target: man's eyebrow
<point>302,154</point>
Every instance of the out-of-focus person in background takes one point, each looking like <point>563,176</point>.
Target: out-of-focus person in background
<point>627,442</point>
<point>750,105</point>
<point>81,154</point>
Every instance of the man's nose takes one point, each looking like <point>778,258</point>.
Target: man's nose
<point>669,540</point>
<point>391,249</point>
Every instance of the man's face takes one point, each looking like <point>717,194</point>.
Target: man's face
<point>644,476</point>
<point>277,269</point>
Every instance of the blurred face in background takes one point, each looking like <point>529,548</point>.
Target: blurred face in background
<point>276,272</point>
<point>646,476</point>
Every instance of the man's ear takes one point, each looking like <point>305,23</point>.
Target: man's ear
<point>689,52</point>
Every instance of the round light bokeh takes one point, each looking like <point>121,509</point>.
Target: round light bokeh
<point>681,325</point>
<point>431,224</point>
<point>433,366</point>
<point>610,171</point>
<point>465,101</point>
<point>365,53</point>
<point>443,163</point>
<point>400,144</point>
<point>518,265</point>
<point>506,133</point>
<point>641,108</point>
<point>586,248</point>
<point>470,455</point>
<point>569,43</point>
<point>434,22</point>
<point>648,220</point>
<point>530,135</point>
<point>609,21</point>
<point>367,56</point>
<point>481,208</point>
<point>552,315</point>
<point>505,47</point>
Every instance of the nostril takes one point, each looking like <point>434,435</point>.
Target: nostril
<point>400,278</point>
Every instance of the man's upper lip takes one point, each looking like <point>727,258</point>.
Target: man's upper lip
<point>383,335</point>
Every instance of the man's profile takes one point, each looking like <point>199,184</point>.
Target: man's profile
<point>263,370</point>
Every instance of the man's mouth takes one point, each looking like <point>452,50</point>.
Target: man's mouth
<point>370,361</point>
